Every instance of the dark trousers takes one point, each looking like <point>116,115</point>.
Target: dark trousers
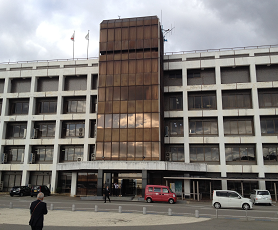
<point>106,195</point>
<point>36,227</point>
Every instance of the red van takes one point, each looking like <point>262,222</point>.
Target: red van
<point>159,193</point>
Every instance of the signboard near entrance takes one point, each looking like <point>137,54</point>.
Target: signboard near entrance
<point>173,187</point>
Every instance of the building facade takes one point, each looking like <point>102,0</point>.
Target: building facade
<point>196,121</point>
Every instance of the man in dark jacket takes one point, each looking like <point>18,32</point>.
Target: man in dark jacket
<point>106,193</point>
<point>37,210</point>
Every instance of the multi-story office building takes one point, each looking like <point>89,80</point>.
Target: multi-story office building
<point>197,121</point>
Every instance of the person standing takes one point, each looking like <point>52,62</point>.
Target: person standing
<point>37,210</point>
<point>107,193</point>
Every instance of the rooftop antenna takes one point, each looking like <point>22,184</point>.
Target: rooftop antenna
<point>167,31</point>
<point>119,16</point>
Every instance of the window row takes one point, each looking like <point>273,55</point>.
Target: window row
<point>233,126</point>
<point>234,154</point>
<point>49,105</point>
<point>229,75</point>
<point>47,129</point>
<point>128,67</point>
<point>130,93</point>
<point>129,151</point>
<point>138,120</point>
<point>45,84</point>
<point>44,154</point>
<point>231,99</point>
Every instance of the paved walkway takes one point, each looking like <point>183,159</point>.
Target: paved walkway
<point>86,219</point>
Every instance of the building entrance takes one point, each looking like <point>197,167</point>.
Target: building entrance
<point>127,184</point>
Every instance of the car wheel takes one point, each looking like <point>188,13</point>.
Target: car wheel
<point>11,195</point>
<point>149,200</point>
<point>171,201</point>
<point>245,206</point>
<point>21,194</point>
<point>31,195</point>
<point>269,204</point>
<point>217,205</point>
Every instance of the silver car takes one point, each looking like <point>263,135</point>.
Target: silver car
<point>259,196</point>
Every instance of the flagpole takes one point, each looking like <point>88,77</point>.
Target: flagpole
<point>73,43</point>
<point>88,45</point>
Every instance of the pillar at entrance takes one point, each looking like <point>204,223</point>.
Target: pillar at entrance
<point>99,182</point>
<point>73,183</point>
<point>144,181</point>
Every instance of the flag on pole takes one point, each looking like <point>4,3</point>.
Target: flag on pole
<point>72,37</point>
<point>87,36</point>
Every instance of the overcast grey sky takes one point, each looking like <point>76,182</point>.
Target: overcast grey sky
<point>41,29</point>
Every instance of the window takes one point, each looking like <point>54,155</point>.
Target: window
<point>2,83</point>
<point>48,105</point>
<point>156,189</point>
<point>173,101</point>
<point>238,74</point>
<point>204,153</point>
<point>46,84</point>
<point>240,153</point>
<point>15,154</point>
<point>269,125</point>
<point>176,103</point>
<point>76,83</point>
<point>174,153</point>
<point>44,154</point>
<point>16,130</point>
<point>173,78</point>
<point>240,99</point>
<point>20,85</point>
<point>73,129</point>
<point>205,100</point>
<point>238,126</point>
<point>270,152</point>
<point>203,126</point>
<point>268,98</point>
<point>175,127</point>
<point>19,107</point>
<point>71,153</point>
<point>44,130</point>
<point>200,76</point>
<point>266,73</point>
<point>75,105</point>
<point>0,107</point>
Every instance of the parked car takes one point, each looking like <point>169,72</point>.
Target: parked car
<point>259,196</point>
<point>40,188</point>
<point>159,193</point>
<point>20,190</point>
<point>230,199</point>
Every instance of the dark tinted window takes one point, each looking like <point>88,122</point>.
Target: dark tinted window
<point>157,189</point>
<point>222,194</point>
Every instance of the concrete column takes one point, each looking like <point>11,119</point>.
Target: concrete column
<point>73,183</point>
<point>144,181</point>
<point>186,188</point>
<point>99,182</point>
<point>54,180</point>
<point>25,177</point>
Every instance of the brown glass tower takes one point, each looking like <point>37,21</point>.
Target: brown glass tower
<point>129,100</point>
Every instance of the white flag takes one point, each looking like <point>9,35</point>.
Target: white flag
<point>87,36</point>
<point>72,37</point>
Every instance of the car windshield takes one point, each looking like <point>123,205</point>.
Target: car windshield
<point>263,193</point>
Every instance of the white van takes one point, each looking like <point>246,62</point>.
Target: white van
<point>259,196</point>
<point>230,199</point>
